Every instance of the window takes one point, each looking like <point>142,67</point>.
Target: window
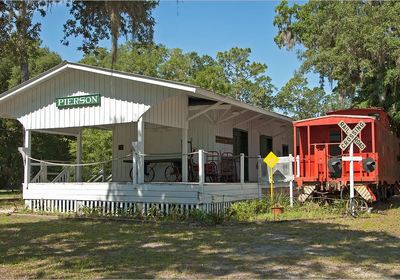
<point>334,137</point>
<point>285,150</point>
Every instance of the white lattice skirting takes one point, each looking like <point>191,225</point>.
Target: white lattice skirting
<point>115,208</point>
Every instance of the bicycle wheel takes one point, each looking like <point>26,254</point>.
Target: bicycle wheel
<point>171,173</point>
<point>356,206</point>
<point>150,174</point>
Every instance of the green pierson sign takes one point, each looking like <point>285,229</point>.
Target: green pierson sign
<point>78,101</point>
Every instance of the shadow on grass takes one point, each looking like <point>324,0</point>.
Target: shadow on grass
<point>111,249</point>
<point>72,248</point>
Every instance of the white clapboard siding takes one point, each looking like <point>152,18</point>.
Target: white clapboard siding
<point>123,134</point>
<point>158,141</point>
<point>122,101</point>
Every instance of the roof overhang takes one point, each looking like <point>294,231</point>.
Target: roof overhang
<point>190,89</point>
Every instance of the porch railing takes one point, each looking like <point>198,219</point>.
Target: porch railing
<point>64,174</point>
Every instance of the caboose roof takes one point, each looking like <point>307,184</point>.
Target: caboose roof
<point>333,119</point>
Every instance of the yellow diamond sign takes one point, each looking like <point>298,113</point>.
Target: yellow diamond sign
<point>271,159</point>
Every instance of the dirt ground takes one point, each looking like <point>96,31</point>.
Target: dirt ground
<point>49,247</point>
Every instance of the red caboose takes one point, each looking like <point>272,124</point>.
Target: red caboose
<point>321,169</point>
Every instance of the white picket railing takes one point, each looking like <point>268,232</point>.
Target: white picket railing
<point>63,176</point>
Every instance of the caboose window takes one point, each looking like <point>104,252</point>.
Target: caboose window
<point>334,140</point>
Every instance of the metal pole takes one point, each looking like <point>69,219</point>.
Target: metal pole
<point>271,179</point>
<point>241,168</point>
<point>291,173</point>
<point>351,173</point>
<point>291,193</point>
<point>260,162</point>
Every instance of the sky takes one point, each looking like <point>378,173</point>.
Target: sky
<point>202,26</point>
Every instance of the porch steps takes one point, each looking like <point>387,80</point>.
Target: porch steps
<point>307,191</point>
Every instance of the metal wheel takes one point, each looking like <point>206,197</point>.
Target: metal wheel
<point>171,173</point>
<point>213,175</point>
<point>149,174</point>
<point>130,174</point>
<point>356,206</point>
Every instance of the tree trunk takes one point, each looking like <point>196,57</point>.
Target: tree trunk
<point>22,31</point>
<point>24,65</point>
<point>115,25</point>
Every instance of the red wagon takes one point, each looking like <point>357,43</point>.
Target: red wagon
<point>322,173</point>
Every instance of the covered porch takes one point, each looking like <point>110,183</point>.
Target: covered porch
<point>172,143</point>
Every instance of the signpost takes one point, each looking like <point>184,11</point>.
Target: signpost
<point>351,139</point>
<point>271,160</point>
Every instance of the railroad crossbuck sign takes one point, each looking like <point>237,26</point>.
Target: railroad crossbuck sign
<point>352,135</point>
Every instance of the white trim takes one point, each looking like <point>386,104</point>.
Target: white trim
<point>209,118</point>
<point>247,120</point>
<point>132,78</point>
<point>231,117</point>
<point>28,85</point>
<point>218,97</point>
<point>220,107</point>
<point>338,116</point>
<point>204,110</point>
<point>56,132</point>
<point>353,158</point>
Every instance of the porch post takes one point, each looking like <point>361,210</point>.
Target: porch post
<point>79,157</point>
<point>241,168</point>
<point>134,163</point>
<point>140,150</point>
<point>27,163</point>
<point>184,154</point>
<point>201,167</point>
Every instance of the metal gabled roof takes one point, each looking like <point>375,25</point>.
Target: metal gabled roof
<point>192,89</point>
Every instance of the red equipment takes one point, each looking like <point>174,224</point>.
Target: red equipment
<point>323,173</point>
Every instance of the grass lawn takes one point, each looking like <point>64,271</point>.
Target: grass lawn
<point>10,200</point>
<point>50,247</point>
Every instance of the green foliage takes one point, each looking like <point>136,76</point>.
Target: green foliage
<point>252,210</point>
<point>11,169</point>
<point>354,43</point>
<point>40,60</point>
<point>231,73</point>
<point>247,79</point>
<point>99,20</point>
<point>301,102</point>
<point>96,147</point>
<point>11,137</point>
<point>18,34</point>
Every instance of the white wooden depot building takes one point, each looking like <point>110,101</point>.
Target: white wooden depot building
<point>152,121</point>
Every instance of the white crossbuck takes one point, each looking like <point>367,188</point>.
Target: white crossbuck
<point>350,140</point>
<point>352,135</point>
